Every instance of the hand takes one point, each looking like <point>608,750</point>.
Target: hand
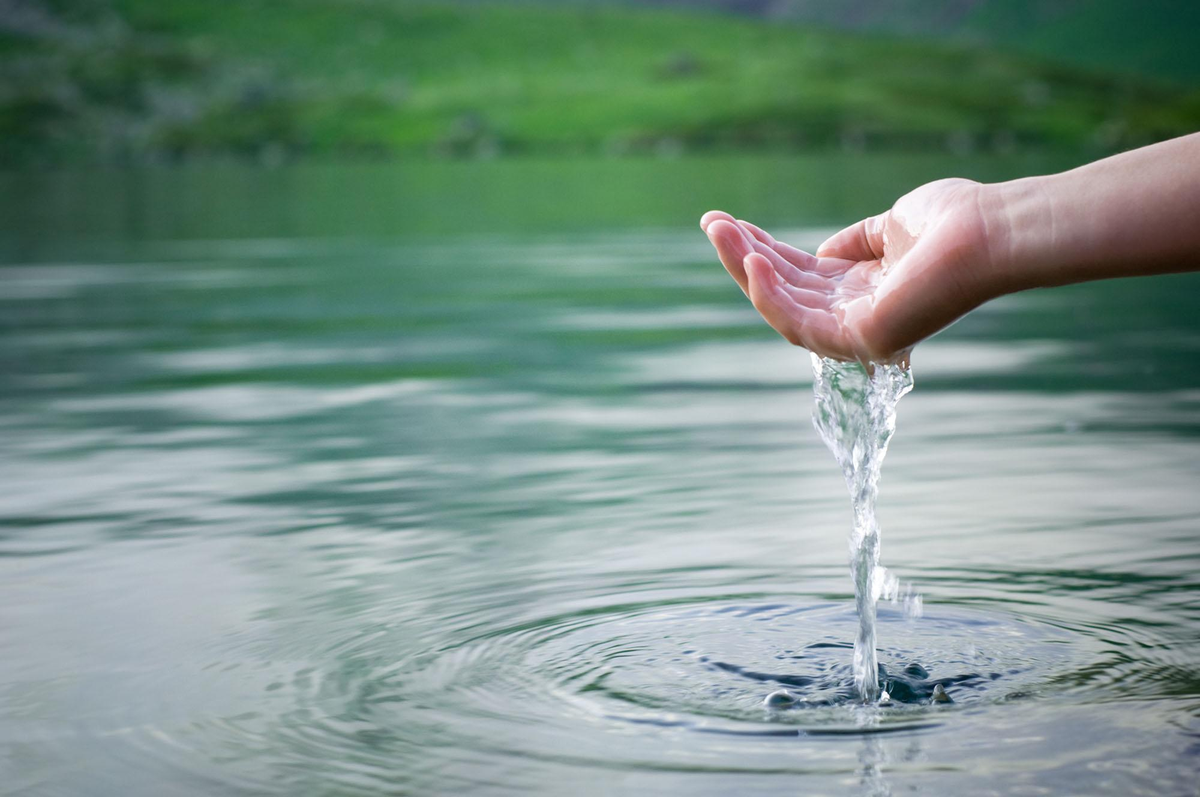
<point>876,288</point>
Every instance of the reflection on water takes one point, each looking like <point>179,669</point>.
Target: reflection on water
<point>503,512</point>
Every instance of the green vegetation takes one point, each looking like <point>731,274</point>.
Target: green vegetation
<point>1149,37</point>
<point>1152,37</point>
<point>135,80</point>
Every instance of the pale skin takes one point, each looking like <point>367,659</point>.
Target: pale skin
<point>877,288</point>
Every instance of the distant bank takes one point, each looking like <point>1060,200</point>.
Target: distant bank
<point>147,81</point>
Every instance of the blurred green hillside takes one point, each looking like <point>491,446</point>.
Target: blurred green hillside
<point>1150,37</point>
<point>138,80</point>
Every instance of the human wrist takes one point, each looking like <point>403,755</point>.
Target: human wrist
<point>1019,217</point>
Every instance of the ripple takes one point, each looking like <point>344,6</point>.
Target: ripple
<point>710,664</point>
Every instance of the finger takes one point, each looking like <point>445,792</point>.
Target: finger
<point>714,215</point>
<point>757,232</point>
<point>824,266</point>
<point>821,266</point>
<point>814,300</point>
<point>815,329</point>
<point>861,241</point>
<point>792,275</point>
<point>797,257</point>
<point>769,299</point>
<point>732,248</point>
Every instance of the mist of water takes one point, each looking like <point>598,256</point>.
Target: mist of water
<point>855,414</point>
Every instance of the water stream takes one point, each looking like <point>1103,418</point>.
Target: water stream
<point>855,414</point>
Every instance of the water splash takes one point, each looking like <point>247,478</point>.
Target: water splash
<point>855,414</point>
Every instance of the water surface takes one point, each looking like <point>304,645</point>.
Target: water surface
<point>429,486</point>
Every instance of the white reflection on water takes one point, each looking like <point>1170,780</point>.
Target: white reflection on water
<point>781,364</point>
<point>251,402</point>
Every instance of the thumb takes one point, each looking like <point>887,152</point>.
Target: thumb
<point>861,241</point>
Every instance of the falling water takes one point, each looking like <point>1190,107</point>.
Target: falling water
<point>855,414</point>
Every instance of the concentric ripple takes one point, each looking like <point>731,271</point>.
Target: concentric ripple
<point>599,687</point>
<point>711,665</point>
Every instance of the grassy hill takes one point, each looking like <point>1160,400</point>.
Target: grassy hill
<point>145,79</point>
<point>1150,37</point>
<point>1159,37</point>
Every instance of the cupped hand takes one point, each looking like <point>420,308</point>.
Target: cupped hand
<point>875,289</point>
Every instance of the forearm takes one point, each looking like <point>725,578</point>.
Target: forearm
<point>1132,214</point>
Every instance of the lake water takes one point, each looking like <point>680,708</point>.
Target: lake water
<point>485,478</point>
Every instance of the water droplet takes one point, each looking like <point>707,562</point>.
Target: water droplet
<point>780,698</point>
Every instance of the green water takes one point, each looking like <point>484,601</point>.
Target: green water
<point>446,478</point>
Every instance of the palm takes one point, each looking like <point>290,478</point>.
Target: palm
<point>877,287</point>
